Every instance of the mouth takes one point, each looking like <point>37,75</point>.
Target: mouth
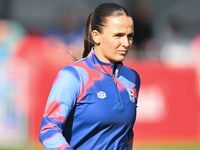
<point>123,52</point>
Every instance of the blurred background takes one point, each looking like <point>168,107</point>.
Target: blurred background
<point>38,38</point>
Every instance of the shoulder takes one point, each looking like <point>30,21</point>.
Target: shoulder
<point>130,72</point>
<point>78,69</point>
<point>132,76</point>
<point>68,71</point>
<point>73,67</point>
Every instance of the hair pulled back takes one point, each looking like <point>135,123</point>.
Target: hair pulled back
<point>96,21</point>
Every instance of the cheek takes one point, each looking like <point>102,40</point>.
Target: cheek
<point>110,41</point>
<point>109,45</point>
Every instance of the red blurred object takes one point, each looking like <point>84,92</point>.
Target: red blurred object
<point>44,60</point>
<point>172,94</point>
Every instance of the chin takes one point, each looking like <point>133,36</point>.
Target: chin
<point>120,58</point>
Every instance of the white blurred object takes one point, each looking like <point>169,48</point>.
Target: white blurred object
<point>151,105</point>
<point>176,53</point>
<point>14,103</point>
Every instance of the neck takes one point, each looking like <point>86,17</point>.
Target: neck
<point>100,56</point>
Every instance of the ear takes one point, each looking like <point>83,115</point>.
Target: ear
<point>96,36</point>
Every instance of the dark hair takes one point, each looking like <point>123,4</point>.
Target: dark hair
<point>96,21</point>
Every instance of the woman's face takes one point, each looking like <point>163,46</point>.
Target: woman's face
<point>115,39</point>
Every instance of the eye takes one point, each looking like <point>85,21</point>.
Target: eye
<point>119,35</point>
<point>130,36</point>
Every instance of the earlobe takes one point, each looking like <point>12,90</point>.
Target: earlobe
<point>96,37</point>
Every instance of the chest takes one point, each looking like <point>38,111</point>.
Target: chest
<point>108,100</point>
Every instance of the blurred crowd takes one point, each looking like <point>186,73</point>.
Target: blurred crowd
<point>168,44</point>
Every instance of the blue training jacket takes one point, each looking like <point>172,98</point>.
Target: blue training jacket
<point>91,106</point>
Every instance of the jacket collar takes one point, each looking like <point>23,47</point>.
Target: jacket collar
<point>107,68</point>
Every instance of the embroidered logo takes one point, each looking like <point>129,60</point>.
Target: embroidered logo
<point>132,94</point>
<point>101,94</point>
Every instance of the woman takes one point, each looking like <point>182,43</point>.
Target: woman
<point>92,104</point>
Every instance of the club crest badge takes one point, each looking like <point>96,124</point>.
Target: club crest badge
<point>132,94</point>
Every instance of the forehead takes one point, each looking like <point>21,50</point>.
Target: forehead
<point>118,24</point>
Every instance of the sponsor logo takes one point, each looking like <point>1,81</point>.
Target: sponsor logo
<point>101,95</point>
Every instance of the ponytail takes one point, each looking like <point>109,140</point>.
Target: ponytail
<point>88,42</point>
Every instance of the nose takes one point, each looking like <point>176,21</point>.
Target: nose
<point>125,42</point>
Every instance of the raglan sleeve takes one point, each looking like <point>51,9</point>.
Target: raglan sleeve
<point>135,78</point>
<point>61,100</point>
<point>137,85</point>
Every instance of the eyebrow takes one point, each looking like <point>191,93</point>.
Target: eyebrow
<point>121,33</point>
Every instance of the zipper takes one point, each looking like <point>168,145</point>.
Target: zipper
<point>118,93</point>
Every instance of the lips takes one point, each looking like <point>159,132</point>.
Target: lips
<point>122,51</point>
